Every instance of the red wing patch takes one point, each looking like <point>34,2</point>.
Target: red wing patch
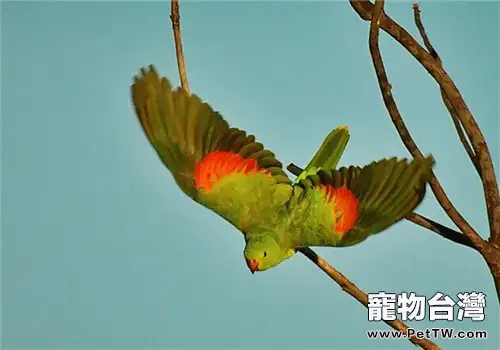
<point>216,165</point>
<point>345,204</point>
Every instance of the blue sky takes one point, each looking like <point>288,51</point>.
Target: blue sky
<point>100,249</point>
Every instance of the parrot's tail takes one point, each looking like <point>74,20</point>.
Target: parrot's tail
<point>328,155</point>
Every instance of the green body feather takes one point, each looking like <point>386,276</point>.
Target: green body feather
<point>275,215</point>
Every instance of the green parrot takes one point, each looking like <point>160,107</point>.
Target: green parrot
<point>228,172</point>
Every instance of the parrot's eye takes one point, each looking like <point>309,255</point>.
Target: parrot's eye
<point>265,253</point>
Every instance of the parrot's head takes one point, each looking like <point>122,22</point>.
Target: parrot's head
<point>263,252</point>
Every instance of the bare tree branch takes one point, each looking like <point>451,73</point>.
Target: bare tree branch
<point>418,219</point>
<point>390,103</point>
<point>490,250</point>
<point>441,230</point>
<point>175,17</point>
<point>449,106</point>
<point>294,169</point>
<point>364,9</point>
<point>423,34</point>
<point>351,289</point>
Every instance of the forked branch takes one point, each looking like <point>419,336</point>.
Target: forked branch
<point>390,103</point>
<point>482,155</point>
<point>466,125</point>
<point>447,103</point>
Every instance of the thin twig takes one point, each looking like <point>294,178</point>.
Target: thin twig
<point>335,275</point>
<point>441,230</point>
<point>418,219</point>
<point>175,17</point>
<point>407,139</point>
<point>423,34</point>
<point>364,9</point>
<point>351,289</point>
<point>294,169</point>
<point>447,103</point>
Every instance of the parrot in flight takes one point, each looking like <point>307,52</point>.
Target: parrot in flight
<point>229,172</point>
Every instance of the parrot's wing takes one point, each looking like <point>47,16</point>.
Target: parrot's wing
<point>219,167</point>
<point>343,207</point>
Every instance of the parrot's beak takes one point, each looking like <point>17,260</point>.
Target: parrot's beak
<point>253,265</point>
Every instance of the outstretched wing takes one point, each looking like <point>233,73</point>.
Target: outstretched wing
<point>219,167</point>
<point>343,207</point>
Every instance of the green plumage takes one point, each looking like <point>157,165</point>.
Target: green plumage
<point>275,214</point>
<point>329,153</point>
